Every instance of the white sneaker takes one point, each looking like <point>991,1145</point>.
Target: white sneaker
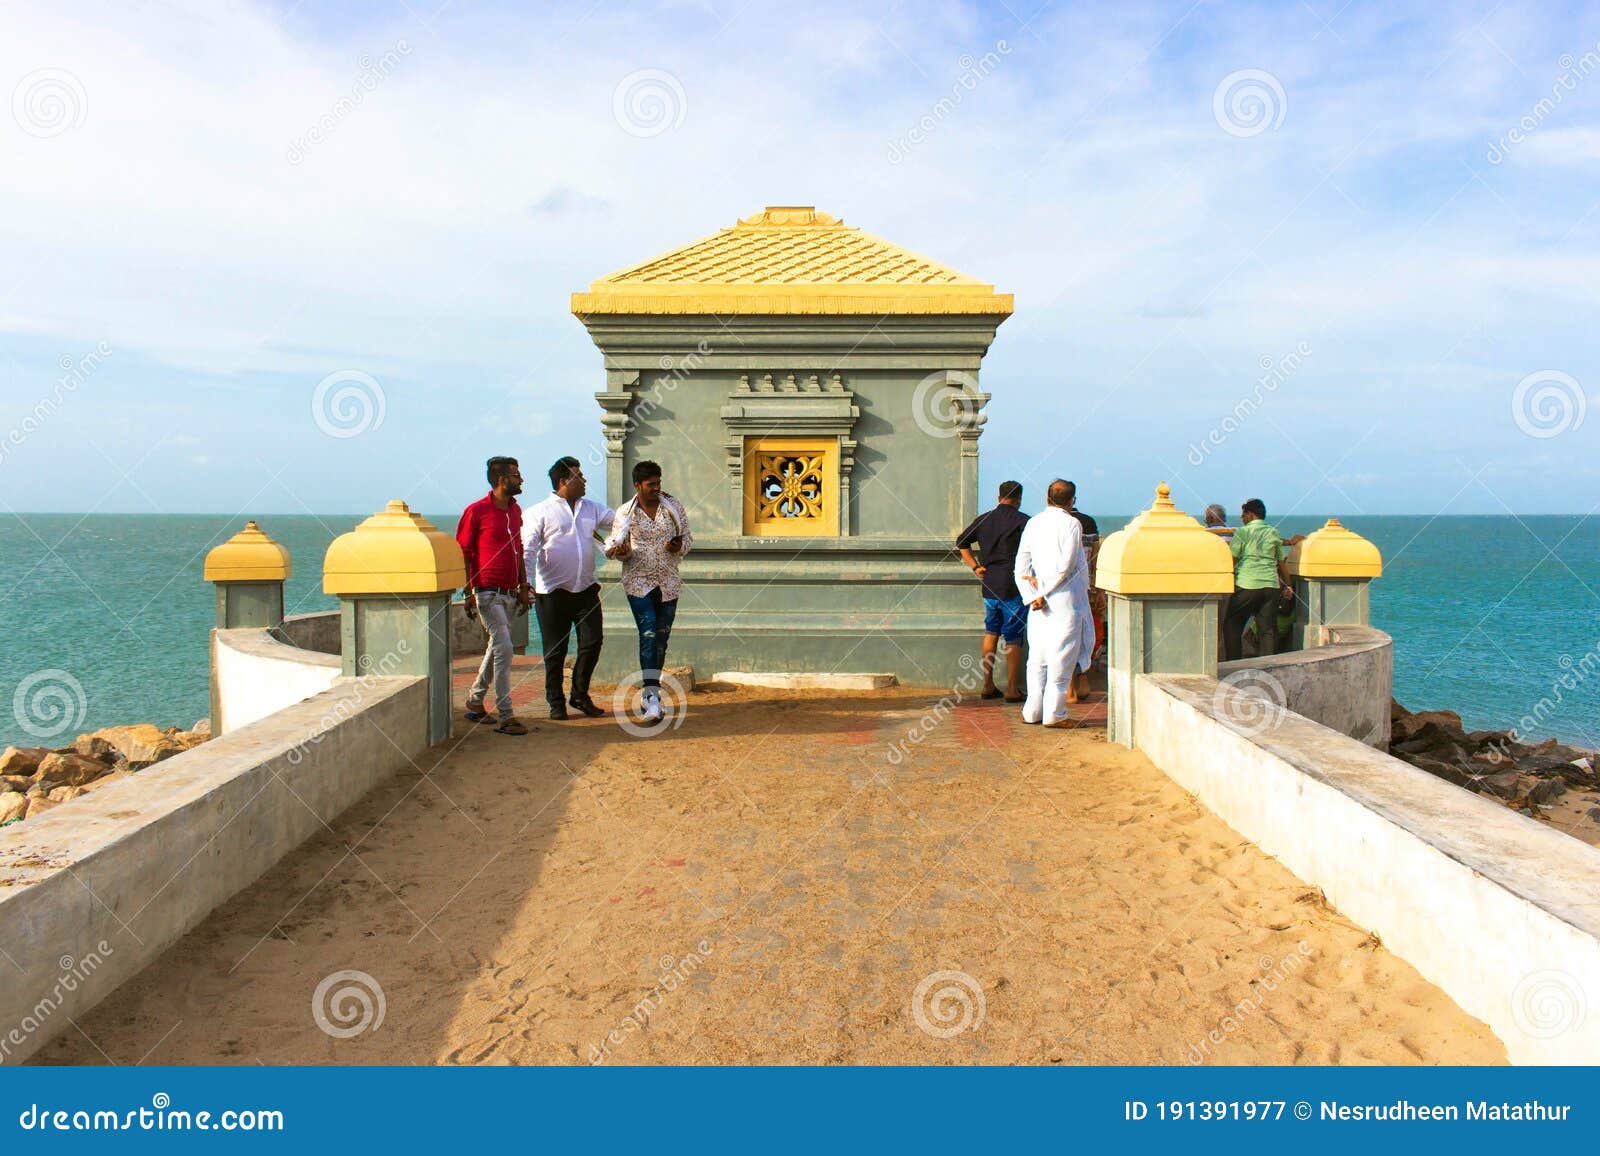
<point>652,707</point>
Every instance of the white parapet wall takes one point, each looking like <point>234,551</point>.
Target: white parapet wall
<point>254,675</point>
<point>94,891</point>
<point>1502,912</point>
<point>1345,682</point>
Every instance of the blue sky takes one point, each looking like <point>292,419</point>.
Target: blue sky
<point>173,232</point>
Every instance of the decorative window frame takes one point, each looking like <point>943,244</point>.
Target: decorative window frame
<point>784,412</point>
<point>826,524</point>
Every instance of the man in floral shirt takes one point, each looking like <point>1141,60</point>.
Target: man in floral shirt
<point>651,535</point>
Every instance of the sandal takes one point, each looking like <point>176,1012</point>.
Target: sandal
<point>511,727</point>
<point>479,715</point>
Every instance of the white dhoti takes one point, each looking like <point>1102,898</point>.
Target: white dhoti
<point>1051,563</point>
<point>1055,650</point>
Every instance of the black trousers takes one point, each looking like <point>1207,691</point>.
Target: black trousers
<point>1243,605</point>
<point>559,612</point>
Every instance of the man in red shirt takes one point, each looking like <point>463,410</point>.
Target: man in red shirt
<point>490,535</point>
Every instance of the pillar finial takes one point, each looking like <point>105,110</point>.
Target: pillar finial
<point>249,556</point>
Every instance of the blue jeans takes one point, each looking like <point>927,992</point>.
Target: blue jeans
<point>654,618</point>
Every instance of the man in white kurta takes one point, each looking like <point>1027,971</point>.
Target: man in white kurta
<point>1053,575</point>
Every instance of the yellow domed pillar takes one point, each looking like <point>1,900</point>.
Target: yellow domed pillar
<point>249,571</point>
<point>1332,570</point>
<point>1164,578</point>
<point>394,574</point>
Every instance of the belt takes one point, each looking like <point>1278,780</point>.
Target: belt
<point>493,590</point>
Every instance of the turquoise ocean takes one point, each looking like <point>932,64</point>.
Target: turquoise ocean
<point>1492,616</point>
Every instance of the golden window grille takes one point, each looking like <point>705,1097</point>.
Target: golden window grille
<point>791,487</point>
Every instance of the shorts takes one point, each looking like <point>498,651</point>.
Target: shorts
<point>1007,617</point>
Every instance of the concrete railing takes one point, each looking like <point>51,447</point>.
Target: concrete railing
<point>92,893</point>
<point>320,631</point>
<point>1345,683</point>
<point>255,675</point>
<point>1502,912</point>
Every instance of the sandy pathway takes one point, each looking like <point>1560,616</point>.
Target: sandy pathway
<point>765,886</point>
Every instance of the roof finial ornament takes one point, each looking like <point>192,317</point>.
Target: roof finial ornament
<point>774,216</point>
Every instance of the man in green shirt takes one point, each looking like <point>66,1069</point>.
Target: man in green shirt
<point>1259,576</point>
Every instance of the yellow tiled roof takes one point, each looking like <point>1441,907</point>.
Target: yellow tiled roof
<point>790,259</point>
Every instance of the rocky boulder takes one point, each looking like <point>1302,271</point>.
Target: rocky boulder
<point>1526,777</point>
<point>13,805</point>
<point>95,747</point>
<point>67,769</point>
<point>142,745</point>
<point>22,760</point>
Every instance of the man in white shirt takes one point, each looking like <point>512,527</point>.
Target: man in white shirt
<point>558,538</point>
<point>1053,575</point>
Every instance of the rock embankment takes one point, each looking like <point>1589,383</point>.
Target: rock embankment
<point>1549,781</point>
<point>35,779</point>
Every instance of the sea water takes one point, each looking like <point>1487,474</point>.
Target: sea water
<point>1495,617</point>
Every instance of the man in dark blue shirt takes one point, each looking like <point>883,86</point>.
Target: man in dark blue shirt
<point>1005,615</point>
